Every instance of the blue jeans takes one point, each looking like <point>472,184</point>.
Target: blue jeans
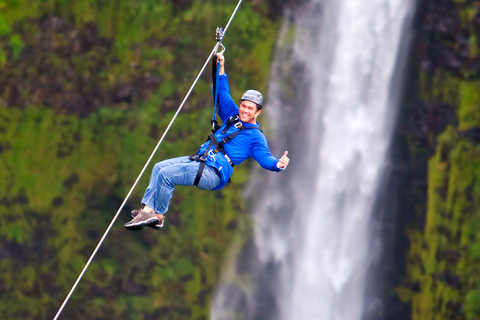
<point>169,173</point>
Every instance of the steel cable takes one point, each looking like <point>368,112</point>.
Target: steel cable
<point>146,165</point>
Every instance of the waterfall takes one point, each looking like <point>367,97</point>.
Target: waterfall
<point>332,101</point>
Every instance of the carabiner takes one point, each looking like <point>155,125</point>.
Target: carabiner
<point>223,49</point>
<point>219,37</point>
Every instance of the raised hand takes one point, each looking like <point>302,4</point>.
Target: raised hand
<point>283,162</point>
<point>221,59</point>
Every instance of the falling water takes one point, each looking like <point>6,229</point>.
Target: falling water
<point>332,102</point>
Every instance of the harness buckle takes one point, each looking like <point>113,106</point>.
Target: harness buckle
<point>238,125</point>
<point>198,158</point>
<point>230,162</point>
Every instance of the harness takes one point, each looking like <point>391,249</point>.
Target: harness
<point>219,145</point>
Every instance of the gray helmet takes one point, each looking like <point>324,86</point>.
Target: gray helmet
<point>253,96</point>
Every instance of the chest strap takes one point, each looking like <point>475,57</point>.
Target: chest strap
<point>219,145</point>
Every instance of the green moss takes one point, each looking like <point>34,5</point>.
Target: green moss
<point>472,304</point>
<point>473,44</point>
<point>4,26</point>
<point>444,87</point>
<point>469,109</point>
<point>440,248</point>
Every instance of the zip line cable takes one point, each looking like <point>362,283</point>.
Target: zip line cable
<point>146,165</point>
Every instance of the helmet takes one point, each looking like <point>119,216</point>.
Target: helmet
<point>253,96</point>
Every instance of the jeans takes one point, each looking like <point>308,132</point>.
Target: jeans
<point>169,173</point>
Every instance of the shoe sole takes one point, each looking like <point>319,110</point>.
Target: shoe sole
<point>155,226</point>
<point>134,228</point>
<point>141,225</point>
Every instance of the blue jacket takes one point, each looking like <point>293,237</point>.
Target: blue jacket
<point>248,143</point>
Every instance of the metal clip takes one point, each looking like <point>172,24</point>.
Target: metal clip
<point>238,125</point>
<point>223,49</point>
<point>219,34</point>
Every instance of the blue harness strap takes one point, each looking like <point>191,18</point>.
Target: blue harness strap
<point>216,75</point>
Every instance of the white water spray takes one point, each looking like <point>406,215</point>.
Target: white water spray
<point>332,102</point>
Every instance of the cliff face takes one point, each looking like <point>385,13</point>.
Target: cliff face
<point>441,125</point>
<point>86,90</point>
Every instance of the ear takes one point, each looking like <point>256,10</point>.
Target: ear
<point>258,112</point>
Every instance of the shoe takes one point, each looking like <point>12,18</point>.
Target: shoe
<point>157,226</point>
<point>142,219</point>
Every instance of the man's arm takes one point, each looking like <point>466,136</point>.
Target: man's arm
<point>226,105</point>
<point>261,153</point>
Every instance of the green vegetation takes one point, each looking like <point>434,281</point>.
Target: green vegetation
<point>443,260</point>
<point>72,142</point>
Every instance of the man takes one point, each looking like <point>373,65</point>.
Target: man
<point>238,139</point>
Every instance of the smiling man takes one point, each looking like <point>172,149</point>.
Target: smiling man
<point>238,139</point>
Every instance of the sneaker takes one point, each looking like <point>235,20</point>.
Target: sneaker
<point>157,226</point>
<point>142,219</point>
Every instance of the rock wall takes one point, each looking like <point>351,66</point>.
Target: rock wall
<point>440,124</point>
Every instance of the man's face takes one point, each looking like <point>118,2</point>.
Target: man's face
<point>247,111</point>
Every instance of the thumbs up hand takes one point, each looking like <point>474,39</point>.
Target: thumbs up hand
<point>283,162</point>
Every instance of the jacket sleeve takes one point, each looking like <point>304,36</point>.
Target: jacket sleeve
<point>226,105</point>
<point>261,153</point>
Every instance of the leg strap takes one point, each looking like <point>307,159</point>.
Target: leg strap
<point>199,173</point>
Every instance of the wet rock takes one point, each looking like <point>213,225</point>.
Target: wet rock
<point>172,312</point>
<point>123,93</point>
<point>186,278</point>
<point>203,296</point>
<point>443,230</point>
<point>130,287</point>
<point>450,255</point>
<point>415,286</point>
<point>55,24</point>
<point>476,24</point>
<point>456,307</point>
<point>97,291</point>
<point>68,183</point>
<point>57,202</point>
<point>451,280</point>
<point>64,149</point>
<point>154,132</point>
<point>427,66</point>
<point>448,59</point>
<point>232,224</point>
<point>181,5</point>
<point>472,134</point>
<point>5,146</point>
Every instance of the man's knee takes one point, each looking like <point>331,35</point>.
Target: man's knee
<point>157,167</point>
<point>164,177</point>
